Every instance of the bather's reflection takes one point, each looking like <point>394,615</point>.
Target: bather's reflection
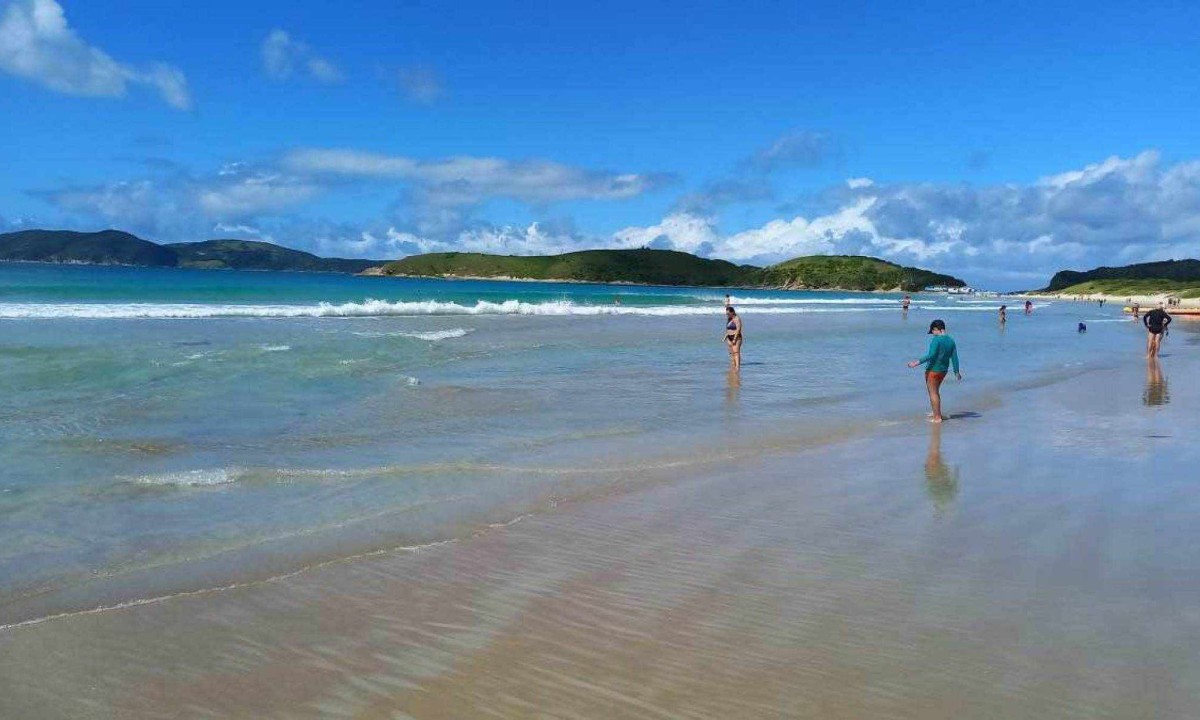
<point>1156,392</point>
<point>733,387</point>
<point>941,481</point>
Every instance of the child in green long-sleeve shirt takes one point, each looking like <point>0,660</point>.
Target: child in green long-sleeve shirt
<point>937,360</point>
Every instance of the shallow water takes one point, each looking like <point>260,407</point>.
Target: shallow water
<point>169,430</point>
<point>1033,558</point>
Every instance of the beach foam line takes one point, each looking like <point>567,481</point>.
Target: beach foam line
<point>372,308</point>
<point>871,301</point>
<point>431,336</point>
<point>192,478</point>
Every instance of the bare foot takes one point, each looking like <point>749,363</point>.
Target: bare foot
<point>936,420</point>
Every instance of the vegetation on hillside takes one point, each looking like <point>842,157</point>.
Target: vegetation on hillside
<point>1131,288</point>
<point>1168,271</point>
<point>644,266</point>
<point>112,247</point>
<point>256,255</point>
<point>109,247</point>
<point>667,267</point>
<point>852,272</point>
<point>655,267</point>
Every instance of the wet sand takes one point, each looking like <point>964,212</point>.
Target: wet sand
<point>1032,559</point>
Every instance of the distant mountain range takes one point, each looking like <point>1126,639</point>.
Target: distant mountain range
<point>668,267</point>
<point>113,247</point>
<point>644,266</point>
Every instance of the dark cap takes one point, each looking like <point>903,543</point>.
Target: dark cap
<point>936,325</point>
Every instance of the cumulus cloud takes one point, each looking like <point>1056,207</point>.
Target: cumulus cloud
<point>1120,210</point>
<point>420,84</point>
<point>37,44</point>
<point>458,181</point>
<point>178,203</point>
<point>283,56</point>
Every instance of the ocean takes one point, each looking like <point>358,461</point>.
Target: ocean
<point>167,432</point>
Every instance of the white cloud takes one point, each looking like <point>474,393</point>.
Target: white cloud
<point>420,84</point>
<point>37,44</point>
<point>283,56</point>
<point>1118,211</point>
<point>678,231</point>
<point>1121,210</point>
<point>457,181</point>
<point>184,205</point>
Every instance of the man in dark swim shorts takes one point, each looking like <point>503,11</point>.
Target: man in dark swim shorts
<point>1156,322</point>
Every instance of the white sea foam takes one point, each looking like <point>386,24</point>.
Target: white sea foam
<point>867,301</point>
<point>191,478</point>
<point>432,336</point>
<point>276,348</point>
<point>373,308</point>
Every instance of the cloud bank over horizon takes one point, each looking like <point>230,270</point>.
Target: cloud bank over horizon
<point>1119,210</point>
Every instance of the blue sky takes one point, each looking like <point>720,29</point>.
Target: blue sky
<point>997,142</point>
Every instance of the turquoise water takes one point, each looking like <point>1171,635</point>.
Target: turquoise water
<point>170,430</point>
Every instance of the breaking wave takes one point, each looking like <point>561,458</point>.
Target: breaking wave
<point>374,308</point>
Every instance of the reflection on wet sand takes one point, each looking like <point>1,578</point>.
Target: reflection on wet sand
<point>941,481</point>
<point>733,388</point>
<point>1156,392</point>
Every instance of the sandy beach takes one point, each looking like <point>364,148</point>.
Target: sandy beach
<point>1034,557</point>
<point>1145,301</point>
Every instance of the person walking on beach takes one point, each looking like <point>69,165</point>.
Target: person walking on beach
<point>1156,322</point>
<point>733,337</point>
<point>1028,307</point>
<point>942,353</point>
<point>1003,315</point>
<point>905,303</point>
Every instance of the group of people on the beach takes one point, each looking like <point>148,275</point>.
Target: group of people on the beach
<point>942,354</point>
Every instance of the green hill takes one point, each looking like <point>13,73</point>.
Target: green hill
<point>108,247</point>
<point>1131,288</point>
<point>1178,277</point>
<point>256,255</point>
<point>852,272</point>
<point>667,267</point>
<point>112,247</point>
<point>653,267</point>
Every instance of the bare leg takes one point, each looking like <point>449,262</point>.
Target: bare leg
<point>737,355</point>
<point>1149,344</point>
<point>933,385</point>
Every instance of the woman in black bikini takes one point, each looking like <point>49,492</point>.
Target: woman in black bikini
<point>733,337</point>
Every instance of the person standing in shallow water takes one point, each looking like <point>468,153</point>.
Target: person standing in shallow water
<point>942,353</point>
<point>1156,322</point>
<point>733,337</point>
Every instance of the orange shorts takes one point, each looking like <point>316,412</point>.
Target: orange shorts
<point>938,377</point>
